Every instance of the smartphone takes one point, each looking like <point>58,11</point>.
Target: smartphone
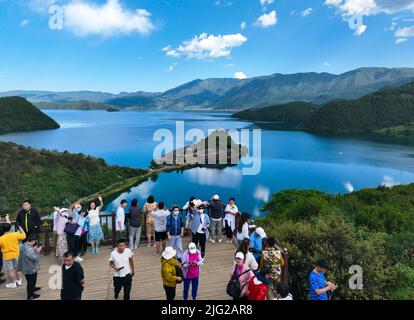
<point>119,269</point>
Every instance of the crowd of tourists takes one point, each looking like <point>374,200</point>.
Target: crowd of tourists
<point>256,273</point>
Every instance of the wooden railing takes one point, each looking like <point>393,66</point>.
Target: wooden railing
<point>47,238</point>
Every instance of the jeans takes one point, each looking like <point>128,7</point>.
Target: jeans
<point>134,233</point>
<point>216,229</point>
<point>83,243</point>
<point>177,243</point>
<point>170,292</point>
<point>73,244</point>
<point>194,288</point>
<point>126,283</point>
<point>31,284</point>
<point>200,238</point>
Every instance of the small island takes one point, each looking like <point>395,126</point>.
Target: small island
<point>112,109</point>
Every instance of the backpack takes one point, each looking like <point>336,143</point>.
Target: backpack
<point>234,288</point>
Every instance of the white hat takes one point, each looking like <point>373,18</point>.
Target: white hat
<point>240,255</point>
<point>261,232</point>
<point>169,253</point>
<point>215,197</point>
<point>192,247</point>
<point>197,202</point>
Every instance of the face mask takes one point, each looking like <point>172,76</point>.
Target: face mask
<point>175,213</point>
<point>201,211</point>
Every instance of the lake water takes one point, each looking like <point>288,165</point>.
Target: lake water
<point>289,159</point>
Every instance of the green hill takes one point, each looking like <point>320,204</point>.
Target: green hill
<point>48,177</point>
<point>384,109</point>
<point>371,228</point>
<point>17,114</point>
<point>292,113</point>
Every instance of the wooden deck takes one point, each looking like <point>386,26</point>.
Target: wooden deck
<point>147,284</point>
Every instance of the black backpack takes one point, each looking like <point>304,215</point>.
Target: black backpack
<point>234,288</point>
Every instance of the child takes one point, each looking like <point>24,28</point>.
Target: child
<point>192,261</point>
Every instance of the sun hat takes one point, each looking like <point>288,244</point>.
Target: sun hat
<point>240,255</point>
<point>261,232</point>
<point>169,253</point>
<point>192,247</point>
<point>215,197</point>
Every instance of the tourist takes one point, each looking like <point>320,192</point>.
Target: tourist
<point>30,257</point>
<point>81,218</point>
<point>73,278</point>
<point>259,284</point>
<point>216,207</point>
<point>199,228</point>
<point>250,260</point>
<point>60,218</point>
<point>135,214</point>
<point>191,261</point>
<point>29,219</point>
<point>171,271</point>
<point>121,260</point>
<point>95,233</point>
<point>256,243</point>
<point>230,212</point>
<point>282,292</point>
<point>120,219</point>
<point>160,227</point>
<point>242,228</point>
<point>240,274</point>
<point>190,207</point>
<point>149,206</point>
<point>273,260</point>
<point>175,231</point>
<point>318,286</point>
<point>9,245</point>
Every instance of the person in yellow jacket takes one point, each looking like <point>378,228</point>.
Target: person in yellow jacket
<point>170,272</point>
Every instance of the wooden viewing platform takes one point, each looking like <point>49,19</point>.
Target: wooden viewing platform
<point>147,283</point>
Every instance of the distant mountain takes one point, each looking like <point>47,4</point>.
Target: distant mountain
<point>75,105</point>
<point>389,111</point>
<point>234,94</point>
<point>17,114</point>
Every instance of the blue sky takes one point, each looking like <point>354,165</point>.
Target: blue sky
<point>154,45</point>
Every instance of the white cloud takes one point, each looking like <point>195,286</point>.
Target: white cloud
<point>243,25</point>
<point>307,12</point>
<point>349,187</point>
<point>405,32</point>
<point>240,75</point>
<point>401,40</point>
<point>206,46</point>
<point>360,30</point>
<point>171,68</point>
<point>265,2</point>
<point>267,20</point>
<point>262,193</point>
<point>109,19</point>
<point>24,23</point>
<point>326,64</point>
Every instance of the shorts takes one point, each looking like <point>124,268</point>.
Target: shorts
<point>10,264</point>
<point>160,236</point>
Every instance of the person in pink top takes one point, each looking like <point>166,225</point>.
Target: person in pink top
<point>243,273</point>
<point>191,261</point>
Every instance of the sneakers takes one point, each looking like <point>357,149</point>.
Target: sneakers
<point>213,241</point>
<point>33,296</point>
<point>97,250</point>
<point>19,282</point>
<point>228,241</point>
<point>220,240</point>
<point>37,289</point>
<point>155,254</point>
<point>78,259</point>
<point>11,285</point>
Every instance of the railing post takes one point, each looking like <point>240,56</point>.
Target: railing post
<point>285,268</point>
<point>113,229</point>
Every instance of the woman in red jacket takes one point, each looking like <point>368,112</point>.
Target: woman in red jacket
<point>259,284</point>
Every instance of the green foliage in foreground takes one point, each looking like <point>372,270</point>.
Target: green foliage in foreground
<point>18,114</point>
<point>48,177</point>
<point>372,228</point>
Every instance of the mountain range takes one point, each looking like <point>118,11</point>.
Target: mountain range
<point>234,94</point>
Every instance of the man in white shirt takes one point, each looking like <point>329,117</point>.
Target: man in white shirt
<point>160,227</point>
<point>120,219</point>
<point>121,260</point>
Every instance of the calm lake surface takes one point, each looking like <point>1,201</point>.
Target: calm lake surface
<point>289,159</point>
